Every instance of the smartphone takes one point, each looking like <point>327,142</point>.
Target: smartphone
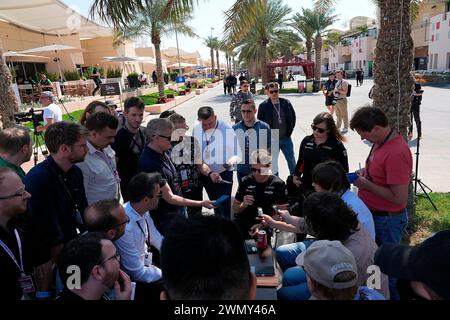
<point>221,200</point>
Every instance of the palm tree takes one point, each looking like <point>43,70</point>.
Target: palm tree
<point>210,42</point>
<point>319,21</point>
<point>8,101</point>
<point>393,60</point>
<point>394,57</point>
<point>121,12</point>
<point>269,22</point>
<point>217,47</point>
<point>152,22</point>
<point>300,23</point>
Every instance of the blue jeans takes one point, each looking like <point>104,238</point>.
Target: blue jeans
<point>287,253</point>
<point>287,147</point>
<point>216,190</point>
<point>390,229</point>
<point>295,286</point>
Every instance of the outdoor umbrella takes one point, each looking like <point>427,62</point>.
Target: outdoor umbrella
<point>53,48</point>
<point>182,64</point>
<point>122,59</point>
<point>12,56</point>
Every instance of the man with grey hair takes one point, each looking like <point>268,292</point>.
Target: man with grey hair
<point>16,148</point>
<point>156,158</point>
<point>52,112</point>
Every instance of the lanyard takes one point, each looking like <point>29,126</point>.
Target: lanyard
<point>208,142</point>
<point>135,143</point>
<point>368,161</point>
<point>147,240</point>
<point>11,255</point>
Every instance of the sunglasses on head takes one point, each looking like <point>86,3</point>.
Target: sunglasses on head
<point>274,91</point>
<point>316,128</point>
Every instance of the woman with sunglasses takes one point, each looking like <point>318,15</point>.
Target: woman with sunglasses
<point>326,143</point>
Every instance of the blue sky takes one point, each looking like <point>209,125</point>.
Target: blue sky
<point>209,13</point>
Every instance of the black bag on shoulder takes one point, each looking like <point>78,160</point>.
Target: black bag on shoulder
<point>349,91</point>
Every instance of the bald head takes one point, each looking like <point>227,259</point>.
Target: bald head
<point>106,216</point>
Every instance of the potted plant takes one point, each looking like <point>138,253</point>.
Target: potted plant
<point>133,79</point>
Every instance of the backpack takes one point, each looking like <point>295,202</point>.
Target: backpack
<point>349,91</point>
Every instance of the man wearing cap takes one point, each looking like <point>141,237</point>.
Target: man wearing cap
<point>52,112</point>
<point>424,270</point>
<point>331,273</point>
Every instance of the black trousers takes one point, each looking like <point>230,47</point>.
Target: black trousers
<point>98,82</point>
<point>415,114</point>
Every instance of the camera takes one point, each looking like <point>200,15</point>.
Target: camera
<point>33,116</point>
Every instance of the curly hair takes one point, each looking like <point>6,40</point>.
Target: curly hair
<point>328,217</point>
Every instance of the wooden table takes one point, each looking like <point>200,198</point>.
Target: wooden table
<point>266,285</point>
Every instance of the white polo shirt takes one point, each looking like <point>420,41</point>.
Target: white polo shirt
<point>52,111</point>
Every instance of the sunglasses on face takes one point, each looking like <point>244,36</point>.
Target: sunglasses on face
<point>316,128</point>
<point>274,91</point>
<point>165,137</point>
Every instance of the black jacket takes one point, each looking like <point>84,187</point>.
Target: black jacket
<point>266,114</point>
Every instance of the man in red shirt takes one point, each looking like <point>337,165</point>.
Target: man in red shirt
<point>383,183</point>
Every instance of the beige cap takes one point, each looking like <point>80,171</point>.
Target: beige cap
<point>324,259</point>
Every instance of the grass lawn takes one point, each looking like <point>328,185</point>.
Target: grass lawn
<point>427,221</point>
<point>151,99</point>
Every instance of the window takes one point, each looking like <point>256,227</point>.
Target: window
<point>448,60</point>
<point>433,27</point>
<point>437,36</point>
<point>432,38</point>
<point>435,61</point>
<point>449,34</point>
<point>431,61</point>
<point>438,25</point>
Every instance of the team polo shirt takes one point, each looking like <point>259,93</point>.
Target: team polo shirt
<point>272,192</point>
<point>390,164</point>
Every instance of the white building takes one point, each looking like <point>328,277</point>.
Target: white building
<point>439,46</point>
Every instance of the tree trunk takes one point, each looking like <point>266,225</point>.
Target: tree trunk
<point>212,61</point>
<point>394,82</point>
<point>8,101</point>
<point>309,46</point>
<point>387,85</point>
<point>318,60</point>
<point>217,62</point>
<point>156,41</point>
<point>264,71</point>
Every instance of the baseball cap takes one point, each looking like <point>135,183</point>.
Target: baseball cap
<point>110,103</point>
<point>428,262</point>
<point>324,259</point>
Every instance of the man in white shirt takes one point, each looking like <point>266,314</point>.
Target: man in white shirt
<point>52,112</point>
<point>141,235</point>
<point>101,179</point>
<point>221,152</point>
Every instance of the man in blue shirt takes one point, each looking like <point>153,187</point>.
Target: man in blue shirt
<point>58,198</point>
<point>252,135</point>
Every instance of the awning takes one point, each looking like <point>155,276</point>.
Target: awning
<point>50,17</point>
<point>183,65</point>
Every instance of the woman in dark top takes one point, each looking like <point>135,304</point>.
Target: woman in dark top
<point>326,143</point>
